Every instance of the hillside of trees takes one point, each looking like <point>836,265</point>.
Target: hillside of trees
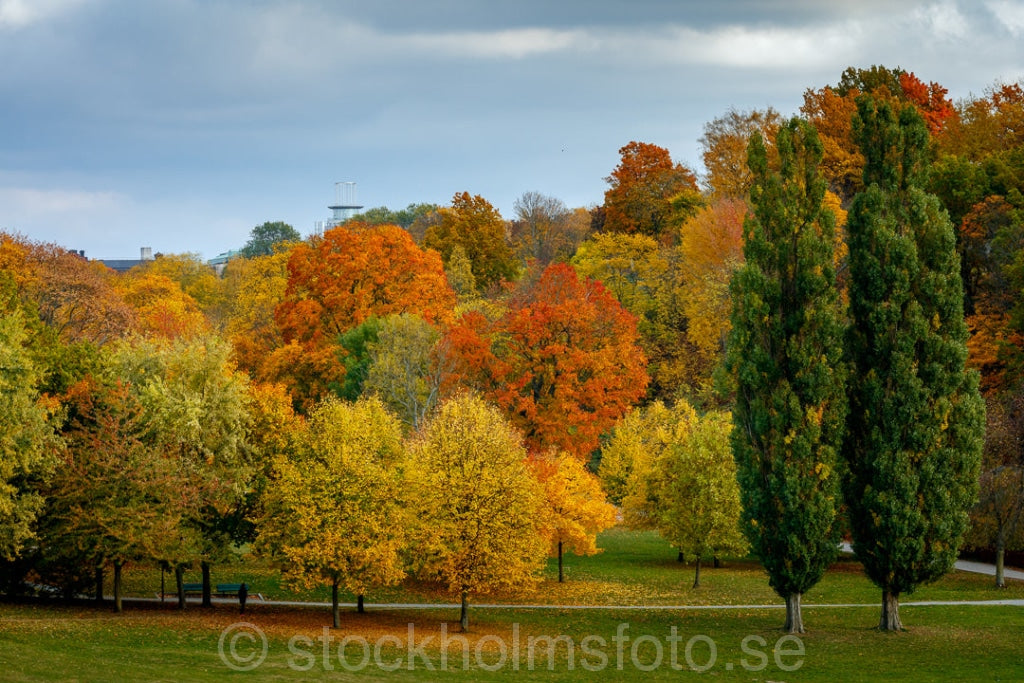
<point>496,389</point>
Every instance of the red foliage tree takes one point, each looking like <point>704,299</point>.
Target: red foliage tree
<point>562,361</point>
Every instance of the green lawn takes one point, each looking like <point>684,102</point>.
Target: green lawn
<point>54,642</point>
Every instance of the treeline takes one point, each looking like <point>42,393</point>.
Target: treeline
<point>200,403</point>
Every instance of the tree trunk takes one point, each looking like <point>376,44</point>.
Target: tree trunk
<point>794,614</point>
<point>696,574</point>
<point>890,620</point>
<point>561,576</point>
<point>716,563</point>
<point>99,583</point>
<point>117,586</point>
<point>1000,558</point>
<point>359,604</point>
<point>207,602</point>
<point>179,580</point>
<point>680,558</point>
<point>335,612</point>
<point>464,616</point>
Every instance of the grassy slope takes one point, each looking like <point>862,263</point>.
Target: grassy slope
<point>50,642</point>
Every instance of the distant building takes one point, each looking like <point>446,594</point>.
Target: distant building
<point>124,265</point>
<point>220,261</point>
<point>344,207</point>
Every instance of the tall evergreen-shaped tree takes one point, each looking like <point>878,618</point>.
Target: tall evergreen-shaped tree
<point>916,419</point>
<point>785,355</point>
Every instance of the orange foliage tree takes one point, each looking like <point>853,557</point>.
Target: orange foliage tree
<point>473,224</point>
<point>830,110</point>
<point>73,296</point>
<point>711,246</point>
<point>338,281</point>
<point>562,361</point>
<point>642,189</point>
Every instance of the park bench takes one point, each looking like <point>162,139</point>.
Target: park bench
<point>223,590</point>
<point>231,589</point>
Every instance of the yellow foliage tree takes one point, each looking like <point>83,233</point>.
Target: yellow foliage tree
<point>637,441</point>
<point>480,508</point>
<point>334,511</point>
<point>577,509</point>
<point>255,288</point>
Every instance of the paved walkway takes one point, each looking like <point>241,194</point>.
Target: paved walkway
<point>970,566</point>
<point>634,608</point>
<point>962,565</point>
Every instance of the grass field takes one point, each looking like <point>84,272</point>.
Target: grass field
<point>150,642</point>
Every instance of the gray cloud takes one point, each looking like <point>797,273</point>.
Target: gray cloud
<point>194,121</point>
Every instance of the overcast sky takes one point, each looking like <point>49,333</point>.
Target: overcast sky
<point>181,124</point>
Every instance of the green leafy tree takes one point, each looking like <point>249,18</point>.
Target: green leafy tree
<point>785,355</point>
<point>407,367</point>
<point>113,499</point>
<point>195,407</point>
<point>382,215</point>
<point>356,343</point>
<point>916,420</point>
<point>694,483</point>
<point>264,239</point>
<point>27,439</point>
<point>334,510</point>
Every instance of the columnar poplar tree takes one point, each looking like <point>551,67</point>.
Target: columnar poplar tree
<point>785,355</point>
<point>916,420</point>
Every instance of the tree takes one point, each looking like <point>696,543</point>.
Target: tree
<point>113,499</point>
<point>334,511</point>
<point>162,308</point>
<point>544,229</point>
<point>637,441</point>
<point>356,343</point>
<point>710,251</point>
<point>404,218</point>
<point>407,367</point>
<point>698,500</point>
<point>474,224</point>
<point>785,356</point>
<point>255,288</point>
<point>916,420</point>
<point>28,442</point>
<point>725,149</point>
<point>480,508</point>
<point>195,408</point>
<point>336,283</point>
<point>562,362</point>
<point>269,238</point>
<point>195,277</point>
<point>576,508</point>
<point>74,297</point>
<point>642,189</point>
<point>998,518</point>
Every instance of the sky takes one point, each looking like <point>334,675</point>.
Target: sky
<point>182,124</point>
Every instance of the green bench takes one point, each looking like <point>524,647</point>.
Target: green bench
<point>223,590</point>
<point>231,589</point>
